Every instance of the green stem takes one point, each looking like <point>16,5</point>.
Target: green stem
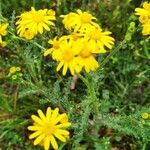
<point>117,48</point>
<point>85,81</point>
<point>95,104</point>
<point>93,101</point>
<point>28,65</point>
<point>146,50</point>
<point>144,146</point>
<point>22,39</point>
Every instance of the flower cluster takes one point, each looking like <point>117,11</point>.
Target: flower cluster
<point>3,32</point>
<point>130,31</point>
<point>14,72</point>
<point>78,50</point>
<point>33,22</point>
<point>144,17</point>
<point>48,127</point>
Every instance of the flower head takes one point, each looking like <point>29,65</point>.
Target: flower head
<point>66,56</point>
<point>144,17</point>
<point>143,12</point>
<point>86,59</point>
<point>55,43</point>
<point>14,72</point>
<point>33,22</point>
<point>3,28</point>
<point>98,40</point>
<point>146,28</point>
<point>78,50</point>
<point>48,127</point>
<point>3,32</point>
<point>145,115</point>
<point>2,43</point>
<point>79,21</point>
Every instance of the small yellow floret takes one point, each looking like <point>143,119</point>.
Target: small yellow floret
<point>79,21</point>
<point>12,70</point>
<point>145,115</point>
<point>2,43</point>
<point>3,28</point>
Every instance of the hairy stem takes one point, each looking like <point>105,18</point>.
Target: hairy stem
<point>93,101</point>
<point>116,49</point>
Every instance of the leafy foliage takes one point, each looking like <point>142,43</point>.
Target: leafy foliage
<point>105,107</point>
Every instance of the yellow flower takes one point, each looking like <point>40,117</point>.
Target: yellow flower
<point>12,70</point>
<point>55,43</point>
<point>78,21</point>
<point>88,63</point>
<point>85,58</point>
<point>66,56</point>
<point>2,43</point>
<point>97,40</point>
<point>146,28</point>
<point>145,115</point>
<point>144,17</point>
<point>3,28</point>
<point>34,22</point>
<point>143,12</point>
<point>48,127</point>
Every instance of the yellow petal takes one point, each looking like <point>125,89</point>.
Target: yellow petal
<point>55,113</point>
<point>47,143</point>
<point>39,139</point>
<point>34,128</point>
<point>35,134</point>
<point>40,28</point>
<point>65,69</point>
<point>59,66</point>
<point>59,118</point>
<point>60,137</point>
<point>42,116</point>
<point>48,113</point>
<point>37,120</point>
<point>63,125</point>
<point>62,132</point>
<point>54,143</point>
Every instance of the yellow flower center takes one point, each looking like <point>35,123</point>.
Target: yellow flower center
<point>85,17</point>
<point>49,129</point>
<point>143,19</point>
<point>37,17</point>
<point>56,45</point>
<point>85,53</point>
<point>68,56</point>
